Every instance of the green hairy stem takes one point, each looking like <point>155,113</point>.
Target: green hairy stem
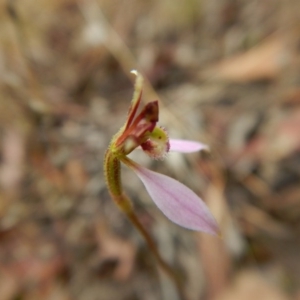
<point>112,171</point>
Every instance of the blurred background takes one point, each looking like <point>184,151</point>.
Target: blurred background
<point>226,72</point>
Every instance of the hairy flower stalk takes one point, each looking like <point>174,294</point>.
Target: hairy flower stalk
<point>180,204</point>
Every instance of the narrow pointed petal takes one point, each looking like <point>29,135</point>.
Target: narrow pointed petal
<point>186,146</point>
<point>180,204</point>
<point>137,95</point>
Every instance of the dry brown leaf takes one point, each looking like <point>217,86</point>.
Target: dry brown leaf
<point>285,137</point>
<point>264,61</point>
<point>9,285</point>
<point>251,285</point>
<point>76,175</point>
<point>36,270</point>
<point>13,154</point>
<point>112,247</point>
<point>279,139</point>
<point>214,253</point>
<point>257,219</point>
<point>47,170</point>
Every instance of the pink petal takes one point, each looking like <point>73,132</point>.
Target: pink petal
<point>186,146</point>
<point>180,204</point>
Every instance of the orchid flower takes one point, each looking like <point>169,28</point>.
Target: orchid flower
<point>177,202</point>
